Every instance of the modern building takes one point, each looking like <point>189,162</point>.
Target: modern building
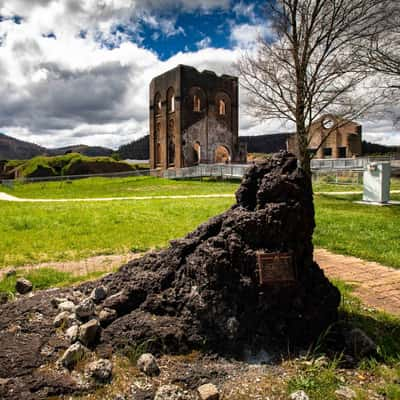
<point>194,119</point>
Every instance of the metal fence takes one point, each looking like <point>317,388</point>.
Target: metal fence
<point>336,167</point>
<point>207,170</point>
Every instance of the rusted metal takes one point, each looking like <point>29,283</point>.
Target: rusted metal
<point>275,268</point>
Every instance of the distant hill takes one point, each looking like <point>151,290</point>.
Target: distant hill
<point>373,148</point>
<point>90,151</point>
<point>136,150</point>
<point>139,149</point>
<point>15,149</point>
<point>271,143</point>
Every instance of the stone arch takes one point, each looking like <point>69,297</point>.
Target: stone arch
<point>223,106</point>
<point>197,152</point>
<point>157,104</point>
<point>197,99</point>
<point>171,141</point>
<point>157,128</point>
<point>222,154</point>
<point>170,100</point>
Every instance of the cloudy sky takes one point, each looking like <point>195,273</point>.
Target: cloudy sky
<point>77,71</point>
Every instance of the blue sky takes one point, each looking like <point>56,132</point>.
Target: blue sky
<point>78,71</point>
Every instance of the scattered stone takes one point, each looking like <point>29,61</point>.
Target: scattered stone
<point>299,395</point>
<point>171,392</point>
<point>11,272</point>
<point>85,308</point>
<point>88,332</point>
<point>360,344</point>
<point>61,319</point>
<point>3,298</point>
<point>147,363</point>
<point>23,286</point>
<point>77,294</point>
<point>107,315</point>
<point>208,392</point>
<point>119,397</point>
<point>98,294</point>
<point>116,300</point>
<point>72,333</point>
<point>56,301</point>
<point>345,393</point>
<point>67,306</point>
<point>72,355</point>
<point>101,370</point>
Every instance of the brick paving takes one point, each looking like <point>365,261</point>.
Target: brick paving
<point>376,285</point>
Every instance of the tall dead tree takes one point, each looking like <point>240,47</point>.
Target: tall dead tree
<point>306,67</point>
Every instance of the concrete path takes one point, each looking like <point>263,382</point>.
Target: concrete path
<point>376,285</point>
<point>8,197</point>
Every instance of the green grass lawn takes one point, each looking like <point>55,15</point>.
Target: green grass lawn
<point>118,187</point>
<point>40,232</point>
<point>142,186</point>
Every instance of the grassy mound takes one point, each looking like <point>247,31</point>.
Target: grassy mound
<point>69,164</point>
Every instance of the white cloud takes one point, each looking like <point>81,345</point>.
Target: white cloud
<point>71,90</point>
<point>246,35</point>
<point>203,43</point>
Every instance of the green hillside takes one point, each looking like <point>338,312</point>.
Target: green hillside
<point>68,164</point>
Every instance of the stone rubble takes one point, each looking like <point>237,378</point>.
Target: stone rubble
<point>85,309</point>
<point>88,332</point>
<point>75,353</point>
<point>147,363</point>
<point>23,286</point>
<point>208,391</point>
<point>100,370</point>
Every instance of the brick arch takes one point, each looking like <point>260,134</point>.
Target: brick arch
<point>197,92</point>
<point>222,153</point>
<point>226,117</point>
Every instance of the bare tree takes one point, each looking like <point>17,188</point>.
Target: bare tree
<point>381,52</point>
<point>306,67</point>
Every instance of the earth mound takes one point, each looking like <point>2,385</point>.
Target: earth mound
<point>205,291</point>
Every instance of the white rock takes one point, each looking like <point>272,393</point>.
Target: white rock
<point>208,392</point>
<point>67,306</point>
<point>73,354</point>
<point>55,301</point>
<point>72,333</point>
<point>101,370</point>
<point>86,308</point>
<point>299,395</point>
<point>147,363</point>
<point>61,319</point>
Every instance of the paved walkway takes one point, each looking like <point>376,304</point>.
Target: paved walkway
<point>8,197</point>
<point>376,285</point>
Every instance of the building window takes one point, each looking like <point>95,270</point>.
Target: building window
<point>342,152</point>
<point>157,103</point>
<point>171,100</point>
<point>222,108</point>
<point>196,103</point>
<point>327,151</point>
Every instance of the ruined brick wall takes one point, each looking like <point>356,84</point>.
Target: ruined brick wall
<point>201,126</point>
<point>341,139</point>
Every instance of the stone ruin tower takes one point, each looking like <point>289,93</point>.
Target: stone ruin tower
<point>194,119</point>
